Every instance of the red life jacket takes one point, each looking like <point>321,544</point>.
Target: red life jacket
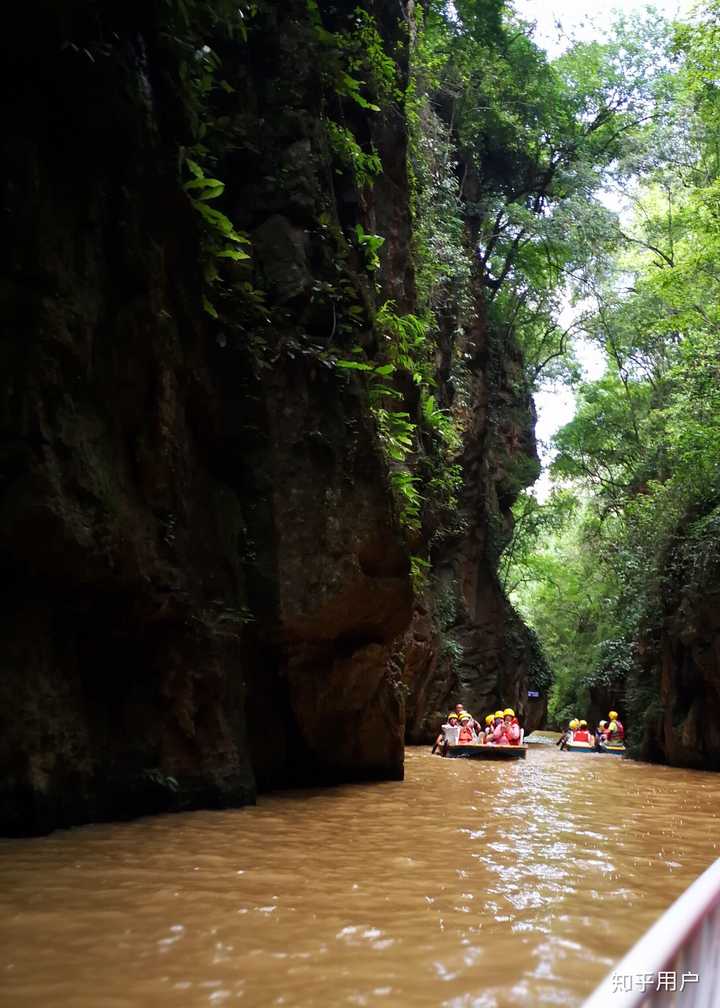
<point>514,733</point>
<point>581,735</point>
<point>466,736</point>
<point>619,735</point>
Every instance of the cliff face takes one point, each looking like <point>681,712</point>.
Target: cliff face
<point>675,692</point>
<point>466,643</point>
<point>205,582</point>
<point>202,570</point>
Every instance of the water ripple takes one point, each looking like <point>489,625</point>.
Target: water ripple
<point>470,885</point>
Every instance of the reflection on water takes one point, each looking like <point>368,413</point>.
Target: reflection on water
<point>471,884</point>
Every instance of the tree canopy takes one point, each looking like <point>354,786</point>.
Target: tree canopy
<point>641,457</point>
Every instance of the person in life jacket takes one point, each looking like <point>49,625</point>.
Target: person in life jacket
<point>567,735</point>
<point>448,734</point>
<point>615,730</point>
<point>600,732</point>
<point>477,727</point>
<point>467,732</point>
<point>489,721</point>
<point>512,728</point>
<point>582,734</point>
<point>573,725</point>
<point>500,732</point>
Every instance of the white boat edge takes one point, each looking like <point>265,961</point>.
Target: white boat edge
<point>690,926</point>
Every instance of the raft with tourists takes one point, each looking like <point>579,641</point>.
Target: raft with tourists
<point>609,737</point>
<point>462,737</point>
<point>487,751</point>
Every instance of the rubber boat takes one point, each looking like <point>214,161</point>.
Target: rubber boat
<point>490,752</point>
<point>604,747</point>
<point>579,747</point>
<point>616,748</point>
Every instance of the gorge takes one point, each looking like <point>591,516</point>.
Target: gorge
<point>279,284</point>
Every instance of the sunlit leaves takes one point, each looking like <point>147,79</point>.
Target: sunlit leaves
<point>643,450</point>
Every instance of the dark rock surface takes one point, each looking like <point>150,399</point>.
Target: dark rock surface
<point>202,572</point>
<point>674,694</point>
<point>204,582</point>
<point>466,643</point>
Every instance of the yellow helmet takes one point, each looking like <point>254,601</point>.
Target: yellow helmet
<point>453,714</point>
<point>464,716</point>
<point>510,711</point>
<point>583,723</point>
<point>499,714</point>
<point>613,715</point>
<point>489,719</point>
<point>574,724</point>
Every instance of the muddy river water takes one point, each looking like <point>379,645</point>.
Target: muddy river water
<point>470,884</point>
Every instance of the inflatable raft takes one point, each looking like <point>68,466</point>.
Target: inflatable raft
<point>490,752</point>
<point>617,749</point>
<point>579,747</point>
<point>603,747</point>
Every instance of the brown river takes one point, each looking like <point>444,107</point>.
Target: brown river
<point>470,884</point>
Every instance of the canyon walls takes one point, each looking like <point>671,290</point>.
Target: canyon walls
<point>205,567</point>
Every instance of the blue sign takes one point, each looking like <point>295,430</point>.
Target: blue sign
<point>533,693</point>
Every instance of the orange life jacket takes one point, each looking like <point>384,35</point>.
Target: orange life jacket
<point>466,736</point>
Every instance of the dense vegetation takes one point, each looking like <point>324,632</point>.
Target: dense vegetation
<point>632,525</point>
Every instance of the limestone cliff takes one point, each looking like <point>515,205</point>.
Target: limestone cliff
<point>674,693</point>
<point>205,578</point>
<point>202,569</point>
<point>466,642</point>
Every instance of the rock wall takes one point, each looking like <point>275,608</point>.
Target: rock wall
<point>202,572</point>
<point>673,696</point>
<point>205,584</point>
<point>466,643</point>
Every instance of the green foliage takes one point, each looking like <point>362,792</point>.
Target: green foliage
<point>364,53</point>
<point>396,432</point>
<point>405,349</point>
<point>355,66</point>
<point>195,31</point>
<point>221,240</point>
<point>354,62</point>
<point>161,780</point>
<point>370,245</point>
<point>419,571</point>
<point>407,341</point>
<point>350,155</point>
<point>439,421</point>
<point>643,450</point>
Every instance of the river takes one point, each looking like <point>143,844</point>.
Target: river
<point>470,884</point>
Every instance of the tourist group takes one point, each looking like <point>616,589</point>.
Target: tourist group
<point>610,732</point>
<point>501,729</point>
